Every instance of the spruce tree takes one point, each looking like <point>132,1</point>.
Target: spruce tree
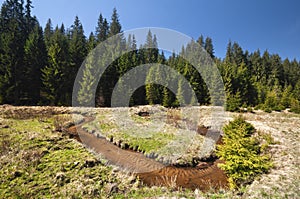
<point>55,74</point>
<point>78,52</point>
<point>242,153</point>
<point>91,43</point>
<point>111,75</point>
<point>115,26</point>
<point>238,54</point>
<point>277,71</point>
<point>13,37</point>
<point>208,46</point>
<point>48,32</point>
<point>200,41</point>
<point>35,56</point>
<point>102,29</point>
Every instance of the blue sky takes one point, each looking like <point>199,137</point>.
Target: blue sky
<point>263,24</point>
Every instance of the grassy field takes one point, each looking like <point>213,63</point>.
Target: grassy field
<point>39,162</point>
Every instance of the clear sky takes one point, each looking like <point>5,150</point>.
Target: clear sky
<point>263,24</point>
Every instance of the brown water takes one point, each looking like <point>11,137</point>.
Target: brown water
<point>150,171</point>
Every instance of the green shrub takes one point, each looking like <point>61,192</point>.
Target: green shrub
<point>273,102</point>
<point>250,110</point>
<point>241,153</point>
<point>295,106</point>
<point>233,102</point>
<point>267,110</point>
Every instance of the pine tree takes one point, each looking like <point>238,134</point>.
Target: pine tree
<point>200,41</point>
<point>29,20</point>
<point>296,91</point>
<point>55,74</point>
<point>266,68</point>
<point>208,46</point>
<point>229,56</point>
<point>111,75</point>
<point>115,26</point>
<point>286,97</point>
<point>91,43</point>
<point>34,60</point>
<point>248,92</point>
<point>48,32</point>
<point>153,90</point>
<point>182,98</point>
<point>78,52</point>
<point>277,71</point>
<point>88,82</point>
<point>256,65</point>
<point>102,29</point>
<point>241,153</point>
<point>13,36</point>
<point>152,93</point>
<point>238,54</point>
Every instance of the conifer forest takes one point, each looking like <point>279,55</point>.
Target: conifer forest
<point>38,66</point>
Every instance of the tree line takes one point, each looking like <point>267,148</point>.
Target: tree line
<point>38,66</point>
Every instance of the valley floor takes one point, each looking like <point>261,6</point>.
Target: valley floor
<point>37,160</point>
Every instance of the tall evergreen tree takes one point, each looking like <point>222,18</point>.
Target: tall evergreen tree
<point>55,74</point>
<point>277,73</point>
<point>35,56</point>
<point>266,68</point>
<point>115,26</point>
<point>48,32</point>
<point>208,46</point>
<point>13,37</point>
<point>229,56</point>
<point>91,43</point>
<point>238,54</point>
<point>200,41</point>
<point>102,29</point>
<point>78,52</point>
<point>111,75</point>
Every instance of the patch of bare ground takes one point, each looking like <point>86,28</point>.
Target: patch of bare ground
<point>28,112</point>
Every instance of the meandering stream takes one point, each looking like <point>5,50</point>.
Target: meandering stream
<point>149,171</point>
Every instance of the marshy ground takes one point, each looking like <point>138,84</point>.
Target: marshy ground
<point>38,160</point>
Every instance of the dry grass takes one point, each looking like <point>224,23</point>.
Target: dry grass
<point>282,130</point>
<point>27,144</point>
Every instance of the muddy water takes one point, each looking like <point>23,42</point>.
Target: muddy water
<point>150,171</point>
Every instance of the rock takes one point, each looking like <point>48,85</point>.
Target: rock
<point>111,188</point>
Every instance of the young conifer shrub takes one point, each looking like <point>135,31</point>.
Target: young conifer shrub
<point>242,153</point>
